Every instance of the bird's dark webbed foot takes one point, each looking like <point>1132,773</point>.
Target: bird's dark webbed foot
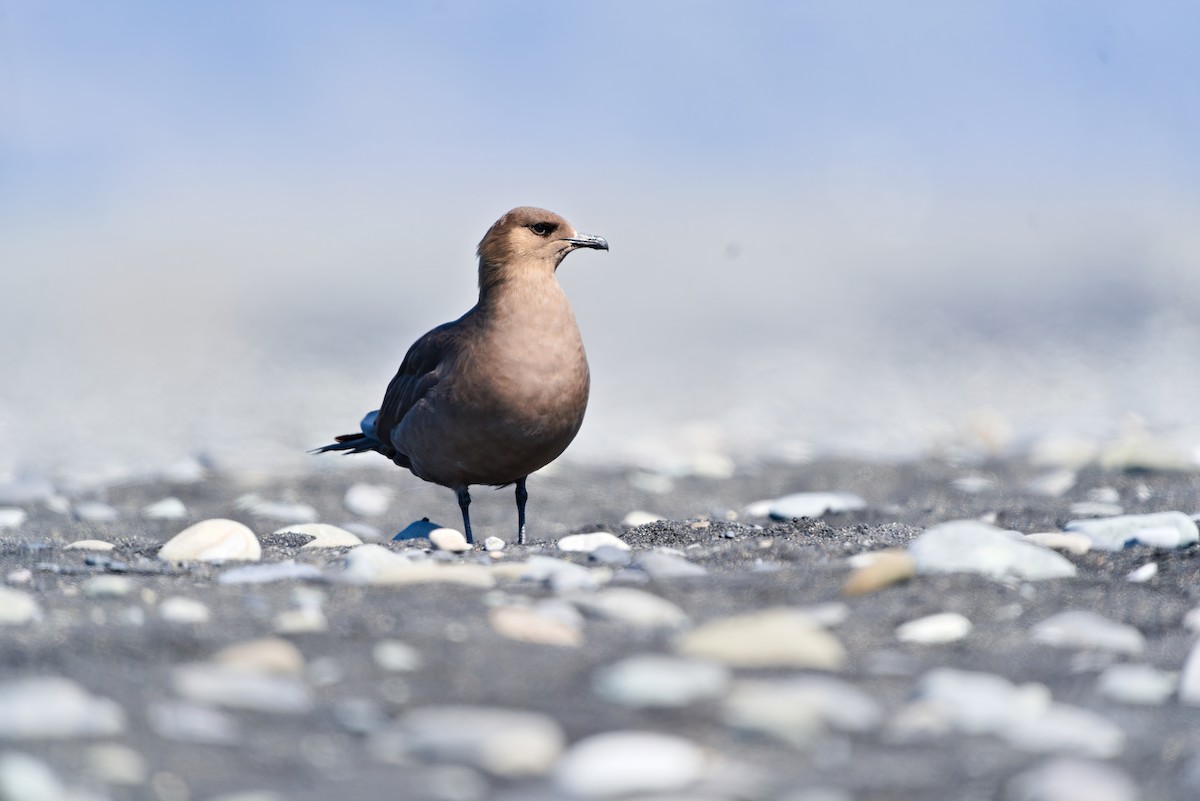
<point>522,496</point>
<point>464,501</point>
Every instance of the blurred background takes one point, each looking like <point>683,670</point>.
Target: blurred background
<point>865,228</point>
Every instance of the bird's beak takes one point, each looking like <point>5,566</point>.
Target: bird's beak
<point>587,241</point>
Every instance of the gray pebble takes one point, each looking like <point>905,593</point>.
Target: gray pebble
<point>1085,629</point>
<point>192,723</point>
<point>612,556</point>
<point>207,683</point>
<point>659,565</point>
<point>1072,779</point>
<point>968,546</point>
<point>621,763</point>
<point>95,512</point>
<point>55,708</point>
<point>657,681</point>
<point>270,572</point>
<point>504,742</point>
<point>1136,684</point>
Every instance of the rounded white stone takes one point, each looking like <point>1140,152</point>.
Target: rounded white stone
<point>632,607</point>
<point>178,609</point>
<point>640,518</point>
<point>26,778</point>
<point>447,539</point>
<point>17,607</point>
<point>116,764</point>
<point>1085,629</point>
<point>267,655</point>
<point>503,742</point>
<point>367,500</point>
<point>814,504</point>
<point>1136,684</point>
<point>1143,573</point>
<point>622,763</point>
<point>55,708</point>
<point>89,545</point>
<point>166,509</point>
<point>215,540</point>
<point>586,543</point>
<point>933,629</point>
<point>778,637</point>
<point>657,681</point>
<point>12,517</point>
<point>1072,779</point>
<point>494,544</point>
<point>107,586</point>
<point>323,535</point>
<point>968,546</point>
<point>1064,541</point>
<point>396,657</point>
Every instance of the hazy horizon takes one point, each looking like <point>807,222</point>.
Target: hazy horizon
<point>851,227</point>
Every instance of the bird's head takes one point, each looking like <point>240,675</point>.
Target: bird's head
<point>528,238</point>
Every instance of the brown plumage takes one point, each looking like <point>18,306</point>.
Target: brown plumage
<point>501,391</point>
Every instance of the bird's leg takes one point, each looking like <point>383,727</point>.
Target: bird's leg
<point>522,496</point>
<point>464,500</point>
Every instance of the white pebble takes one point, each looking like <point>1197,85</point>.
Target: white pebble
<point>17,608</point>
<point>778,637</point>
<point>968,546</point>
<point>270,572</point>
<point>448,539</point>
<point>494,544</point>
<point>1161,529</point>
<point>632,607</point>
<point>657,681</point>
<point>396,657</point>
<point>503,742</point>
<point>279,511</point>
<point>1189,679</point>
<point>1136,684</point>
<point>640,518</point>
<point>107,586</point>
<point>266,655</point>
<point>586,543</point>
<point>236,688</point>
<point>54,708</point>
<point>89,545</point>
<point>12,517</point>
<point>626,762</point>
<point>215,540</point>
<point>178,609</point>
<point>115,764</point>
<point>1072,779</point>
<point>95,512</point>
<point>814,505</point>
<point>796,711</point>
<point>367,500</point>
<point>26,778</point>
<point>1085,629</point>
<point>323,535</point>
<point>1143,573</point>
<point>1064,541</point>
<point>932,629</point>
<point>191,723</point>
<point>167,509</point>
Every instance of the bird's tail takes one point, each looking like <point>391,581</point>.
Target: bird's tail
<point>359,443</point>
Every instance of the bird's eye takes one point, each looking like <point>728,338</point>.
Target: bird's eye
<point>543,228</point>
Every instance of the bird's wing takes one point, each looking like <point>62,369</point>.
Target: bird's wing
<point>417,375</point>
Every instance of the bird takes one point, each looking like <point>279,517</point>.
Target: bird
<point>500,392</point>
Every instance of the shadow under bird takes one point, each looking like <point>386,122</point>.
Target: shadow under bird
<point>501,391</point>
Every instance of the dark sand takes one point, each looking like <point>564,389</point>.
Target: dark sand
<point>314,756</point>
